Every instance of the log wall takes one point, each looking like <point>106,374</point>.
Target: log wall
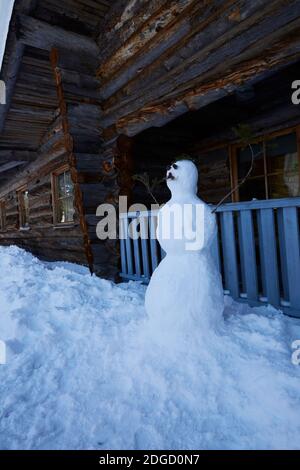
<point>42,238</point>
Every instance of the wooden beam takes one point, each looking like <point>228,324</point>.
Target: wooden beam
<point>203,63</point>
<point>125,17</point>
<point>17,155</point>
<point>39,34</point>
<point>82,62</point>
<point>155,25</point>
<point>161,112</point>
<point>10,165</point>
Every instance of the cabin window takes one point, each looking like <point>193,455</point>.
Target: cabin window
<point>23,198</point>
<point>276,172</point>
<point>63,195</point>
<point>2,216</point>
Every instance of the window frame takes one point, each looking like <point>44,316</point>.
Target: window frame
<point>22,209</point>
<point>233,157</point>
<point>55,197</point>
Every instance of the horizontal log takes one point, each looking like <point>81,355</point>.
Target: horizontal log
<point>89,162</point>
<point>11,165</point>
<point>250,72</point>
<point>167,47</point>
<point>82,62</point>
<point>209,58</point>
<point>17,155</point>
<point>39,34</point>
<point>151,28</point>
<point>33,171</point>
<point>123,20</point>
<point>80,84</point>
<point>94,194</point>
<point>39,202</point>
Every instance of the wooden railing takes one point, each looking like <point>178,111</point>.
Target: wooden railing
<point>257,251</point>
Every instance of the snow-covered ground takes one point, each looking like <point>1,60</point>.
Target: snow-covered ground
<point>84,372</point>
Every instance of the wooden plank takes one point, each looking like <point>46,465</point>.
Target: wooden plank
<point>142,42</point>
<point>282,250</point>
<point>128,244</point>
<point>229,254</point>
<point>10,165</point>
<point>136,247</point>
<point>123,246</point>
<point>242,259</point>
<point>42,35</point>
<point>268,255</point>
<point>292,248</point>
<point>153,242</point>
<point>265,204</point>
<point>144,243</point>
<point>205,61</point>
<point>248,254</point>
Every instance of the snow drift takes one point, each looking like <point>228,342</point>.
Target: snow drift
<point>83,372</point>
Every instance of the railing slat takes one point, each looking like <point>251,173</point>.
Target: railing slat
<point>282,249</point>
<point>128,243</point>
<point>153,242</point>
<point>123,246</point>
<point>292,248</point>
<point>248,254</point>
<point>242,260</point>
<point>136,249</point>
<point>229,254</point>
<point>144,242</point>
<point>268,255</point>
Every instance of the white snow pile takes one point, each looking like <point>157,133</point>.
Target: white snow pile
<point>84,372</point>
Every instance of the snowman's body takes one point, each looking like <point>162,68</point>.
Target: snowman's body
<point>185,292</point>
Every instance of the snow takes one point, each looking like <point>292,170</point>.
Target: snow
<point>83,372</point>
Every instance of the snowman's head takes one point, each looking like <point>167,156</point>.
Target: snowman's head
<point>182,177</point>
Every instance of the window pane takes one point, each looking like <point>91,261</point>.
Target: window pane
<point>65,198</point>
<point>283,166</point>
<point>68,184</point>
<point>66,210</point>
<point>244,157</point>
<point>61,185</point>
<point>24,208</point>
<point>253,188</point>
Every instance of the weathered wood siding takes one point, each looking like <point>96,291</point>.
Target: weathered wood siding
<point>42,238</point>
<point>160,59</point>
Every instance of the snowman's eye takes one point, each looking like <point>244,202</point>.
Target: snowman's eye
<point>175,166</point>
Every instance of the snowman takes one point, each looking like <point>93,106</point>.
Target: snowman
<point>185,297</point>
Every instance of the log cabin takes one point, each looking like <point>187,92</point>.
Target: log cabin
<point>99,91</point>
